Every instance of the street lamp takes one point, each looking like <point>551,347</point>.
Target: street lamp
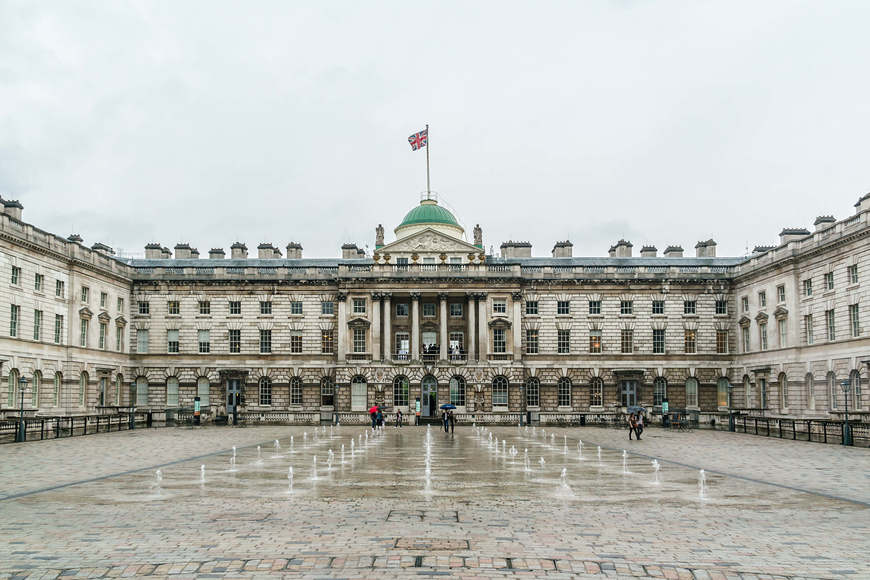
<point>847,434</point>
<point>22,384</point>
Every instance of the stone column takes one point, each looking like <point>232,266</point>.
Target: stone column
<point>442,299</point>
<point>517,298</point>
<point>388,333</point>
<point>376,326</point>
<point>471,339</point>
<point>342,326</point>
<point>415,326</point>
<point>483,328</point>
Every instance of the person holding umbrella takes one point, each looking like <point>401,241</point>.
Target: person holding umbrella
<point>373,413</point>
<point>446,415</point>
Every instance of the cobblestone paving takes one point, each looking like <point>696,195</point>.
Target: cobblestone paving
<point>485,511</point>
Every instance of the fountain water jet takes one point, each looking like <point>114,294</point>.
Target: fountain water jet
<point>656,468</point>
<point>314,469</point>
<point>624,462</point>
<point>290,477</point>
<point>202,473</point>
<point>702,485</point>
<point>599,455</point>
<point>277,444</point>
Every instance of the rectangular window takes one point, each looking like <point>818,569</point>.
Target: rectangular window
<point>265,307</point>
<point>744,303</point>
<point>499,306</point>
<point>808,287</point>
<point>58,328</point>
<point>142,341</point>
<point>531,341</point>
<point>204,339</point>
<point>104,299</point>
<point>120,304</point>
<point>690,307</point>
<point>808,328</point>
<point>359,340</point>
<point>594,341</point>
<point>265,392</point>
<point>762,332</point>
<point>235,307</point>
<point>265,341</point>
<point>358,396</point>
<point>172,341</point>
<point>595,307</point>
<point>762,299</point>
<point>744,332</point>
<point>563,307</point>
<point>692,392</point>
<point>83,335</point>
<point>295,391</point>
<point>203,391</point>
<point>403,346</point>
<point>853,320</point>
<point>722,342</point>
<point>721,307</point>
<point>658,307</point>
<point>456,310</point>
<point>326,308</point>
<point>780,293</point>
<point>428,310</point>
<point>402,309</point>
<point>627,341</point>
<point>204,307</point>
<point>829,280</point>
<point>660,391</point>
<point>658,341</point>
<point>86,294</point>
<point>119,339</point>
<point>829,325</point>
<point>327,342</point>
<point>296,307</point>
<point>564,341</point>
<point>144,308</point>
<point>16,276</point>
<point>456,344</point>
<point>498,340</point>
<point>597,393</point>
<point>173,308</point>
<point>13,320</point>
<point>235,339</point>
<point>531,307</point>
<point>782,330</point>
<point>690,341</point>
<point>359,306</point>
<point>853,273</point>
<point>38,281</point>
<point>104,329</point>
<point>37,324</point>
<point>59,288</point>
<point>296,342</point>
<point>564,393</point>
<point>626,307</point>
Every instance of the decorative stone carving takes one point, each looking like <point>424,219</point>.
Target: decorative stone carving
<point>341,296</point>
<point>478,235</point>
<point>379,235</point>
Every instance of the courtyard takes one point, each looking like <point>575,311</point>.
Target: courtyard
<point>481,502</point>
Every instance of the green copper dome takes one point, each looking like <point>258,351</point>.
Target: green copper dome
<point>429,212</point>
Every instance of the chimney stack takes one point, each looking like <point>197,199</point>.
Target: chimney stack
<point>294,251</point>
<point>648,252</point>
<point>561,249</point>
<point>623,249</point>
<point>103,249</point>
<point>789,234</point>
<point>862,205</point>
<point>165,253</point>
<point>674,252</point>
<point>182,251</point>
<point>511,249</point>
<point>349,251</point>
<point>75,238</point>
<point>12,208</point>
<point>824,222</point>
<point>216,254</point>
<point>705,249</point>
<point>153,251</point>
<point>267,252</point>
<point>239,251</point>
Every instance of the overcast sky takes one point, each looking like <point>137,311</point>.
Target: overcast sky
<point>211,122</point>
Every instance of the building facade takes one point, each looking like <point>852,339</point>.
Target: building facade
<point>431,316</point>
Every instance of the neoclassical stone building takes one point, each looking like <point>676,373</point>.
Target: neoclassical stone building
<point>432,316</point>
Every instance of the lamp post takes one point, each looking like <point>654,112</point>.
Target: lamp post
<point>22,384</point>
<point>847,434</point>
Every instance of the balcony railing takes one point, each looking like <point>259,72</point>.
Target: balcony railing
<point>501,356</point>
<point>359,356</point>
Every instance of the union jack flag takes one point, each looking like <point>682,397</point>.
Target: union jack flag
<point>418,140</point>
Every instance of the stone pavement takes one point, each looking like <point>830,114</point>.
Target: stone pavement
<point>483,512</point>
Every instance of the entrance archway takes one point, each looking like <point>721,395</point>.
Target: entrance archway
<point>429,396</point>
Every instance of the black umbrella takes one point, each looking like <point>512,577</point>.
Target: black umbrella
<point>448,406</point>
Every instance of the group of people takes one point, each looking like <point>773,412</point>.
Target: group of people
<point>449,421</point>
<point>377,416</point>
<point>635,425</point>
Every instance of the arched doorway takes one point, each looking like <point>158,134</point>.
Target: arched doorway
<point>428,396</point>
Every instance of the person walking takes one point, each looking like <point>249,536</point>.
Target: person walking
<point>373,413</point>
<point>398,418</point>
<point>452,422</point>
<point>380,418</point>
<point>445,417</point>
<point>632,425</point>
<point>638,427</point>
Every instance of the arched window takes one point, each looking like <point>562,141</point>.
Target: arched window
<point>119,381</point>
<point>327,392</point>
<point>58,381</point>
<point>142,391</point>
<point>265,385</point>
<point>596,392</point>
<point>296,391</point>
<point>401,391</point>
<point>564,386</point>
<point>499,392</point>
<point>723,392</point>
<point>359,394</point>
<point>832,389</point>
<point>810,385</point>
<point>660,391</point>
<point>783,390</point>
<point>533,392</point>
<point>203,391</point>
<point>855,388</point>
<point>691,392</point>
<point>13,385</point>
<point>83,387</point>
<point>34,395</point>
<point>172,392</point>
<point>457,391</point>
<point>747,392</point>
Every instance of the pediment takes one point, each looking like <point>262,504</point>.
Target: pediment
<point>358,322</point>
<point>85,312</point>
<point>780,312</point>
<point>121,321</point>
<point>500,323</point>
<point>761,317</point>
<point>744,321</point>
<point>104,317</point>
<point>429,241</point>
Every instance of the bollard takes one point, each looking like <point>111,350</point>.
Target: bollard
<point>196,411</point>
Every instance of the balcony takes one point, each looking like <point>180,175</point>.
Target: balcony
<point>359,356</point>
<point>501,356</point>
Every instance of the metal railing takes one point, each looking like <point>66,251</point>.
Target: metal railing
<point>816,430</point>
<point>39,428</point>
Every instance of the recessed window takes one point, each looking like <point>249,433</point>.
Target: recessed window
<point>626,341</point>
<point>499,306</point>
<point>37,325</point>
<point>829,281</point>
<point>594,341</point>
<point>327,392</point>
<point>499,392</point>
<point>660,391</point>
<point>499,345</point>
<point>853,320</point>
<point>563,343</point>
<point>120,304</point>
<point>204,339</point>
<point>690,307</point>
<point>744,304</point>
<point>142,341</point>
<point>119,339</point>
<point>626,307</point>
<point>762,299</point>
<point>327,342</point>
<point>16,276</point>
<point>172,392</point>
<point>721,307</point>
<point>295,391</point>
<point>235,307</point>
<point>59,288</point>
<point>531,307</point>
<point>533,392</point>
<point>359,305</point>
<point>596,392</point>
<point>780,293</point>
<point>359,340</point>
<point>235,339</point>
<point>690,341</point>
<point>722,342</point>
<point>782,331</point>
<point>144,308</point>
<point>58,328</point>
<point>104,299</point>
<point>401,391</point>
<point>296,342</point>
<point>86,294</point>
<point>808,328</point>
<point>38,282</point>
<point>83,336</point>
<point>265,390</point>
<point>428,309</point>
<point>172,307</point>
<point>808,287</point>
<point>402,309</point>
<point>658,307</point>
<point>853,273</point>
<point>563,307</point>
<point>762,331</point>
<point>104,329</point>
<point>265,341</point>
<point>595,307</point>
<point>744,333</point>
<point>658,341</point>
<point>531,341</point>
<point>455,309</point>
<point>265,307</point>
<point>830,325</point>
<point>326,308</point>
<point>172,341</point>
<point>14,315</point>
<point>204,307</point>
<point>691,392</point>
<point>564,392</point>
<point>296,307</point>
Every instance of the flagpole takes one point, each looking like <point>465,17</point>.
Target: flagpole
<point>428,188</point>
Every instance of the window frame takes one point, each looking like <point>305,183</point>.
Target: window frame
<point>500,391</point>
<point>563,390</point>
